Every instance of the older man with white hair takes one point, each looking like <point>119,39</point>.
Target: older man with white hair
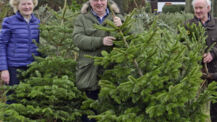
<point>202,15</point>
<point>201,12</point>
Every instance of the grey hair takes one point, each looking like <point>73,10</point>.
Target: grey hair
<point>207,1</point>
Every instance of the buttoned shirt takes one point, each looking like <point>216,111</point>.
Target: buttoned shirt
<point>100,19</point>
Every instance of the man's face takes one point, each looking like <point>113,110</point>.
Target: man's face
<point>201,9</point>
<point>99,6</point>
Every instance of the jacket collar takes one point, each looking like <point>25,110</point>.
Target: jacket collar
<point>100,19</point>
<point>210,23</point>
<point>20,17</point>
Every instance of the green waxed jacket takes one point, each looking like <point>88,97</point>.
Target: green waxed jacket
<point>89,40</point>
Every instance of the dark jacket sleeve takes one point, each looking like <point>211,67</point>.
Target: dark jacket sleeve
<point>214,52</point>
<point>4,38</point>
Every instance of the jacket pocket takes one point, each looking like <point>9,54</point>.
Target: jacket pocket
<point>90,31</point>
<point>86,76</point>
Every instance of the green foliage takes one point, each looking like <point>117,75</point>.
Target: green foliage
<point>167,87</point>
<point>45,96</point>
<point>51,67</point>
<point>169,21</point>
<point>5,10</point>
<point>47,92</point>
<point>43,14</point>
<point>58,4</point>
<point>75,6</point>
<point>56,34</point>
<point>153,75</point>
<point>148,7</point>
<point>173,8</point>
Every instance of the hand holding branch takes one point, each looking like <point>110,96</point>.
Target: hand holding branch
<point>117,21</point>
<point>108,40</point>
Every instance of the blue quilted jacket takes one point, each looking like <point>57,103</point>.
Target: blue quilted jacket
<point>16,41</point>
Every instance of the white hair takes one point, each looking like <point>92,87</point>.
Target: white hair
<point>207,1</point>
<point>14,4</point>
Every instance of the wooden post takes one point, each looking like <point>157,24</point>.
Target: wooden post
<point>214,8</point>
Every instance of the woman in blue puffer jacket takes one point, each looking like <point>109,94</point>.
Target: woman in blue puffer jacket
<point>16,40</point>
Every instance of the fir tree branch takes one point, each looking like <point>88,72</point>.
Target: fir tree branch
<point>127,45</point>
<point>64,11</point>
<point>113,13</point>
<point>62,24</point>
<point>135,3</point>
<point>134,60</point>
<point>205,67</point>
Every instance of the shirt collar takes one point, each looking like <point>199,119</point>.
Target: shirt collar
<point>100,19</point>
<point>32,18</point>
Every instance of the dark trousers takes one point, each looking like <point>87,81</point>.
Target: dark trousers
<point>213,112</point>
<point>93,95</point>
<point>14,80</point>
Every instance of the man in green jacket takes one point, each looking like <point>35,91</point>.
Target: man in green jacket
<point>92,41</point>
<point>202,10</point>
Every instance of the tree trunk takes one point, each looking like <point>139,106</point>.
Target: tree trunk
<point>214,8</point>
<point>127,6</point>
<point>188,6</point>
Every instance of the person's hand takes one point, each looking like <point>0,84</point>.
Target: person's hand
<point>209,76</point>
<point>5,76</point>
<point>117,21</point>
<point>108,40</point>
<point>207,57</point>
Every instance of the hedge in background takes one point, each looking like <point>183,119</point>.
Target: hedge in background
<point>173,8</point>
